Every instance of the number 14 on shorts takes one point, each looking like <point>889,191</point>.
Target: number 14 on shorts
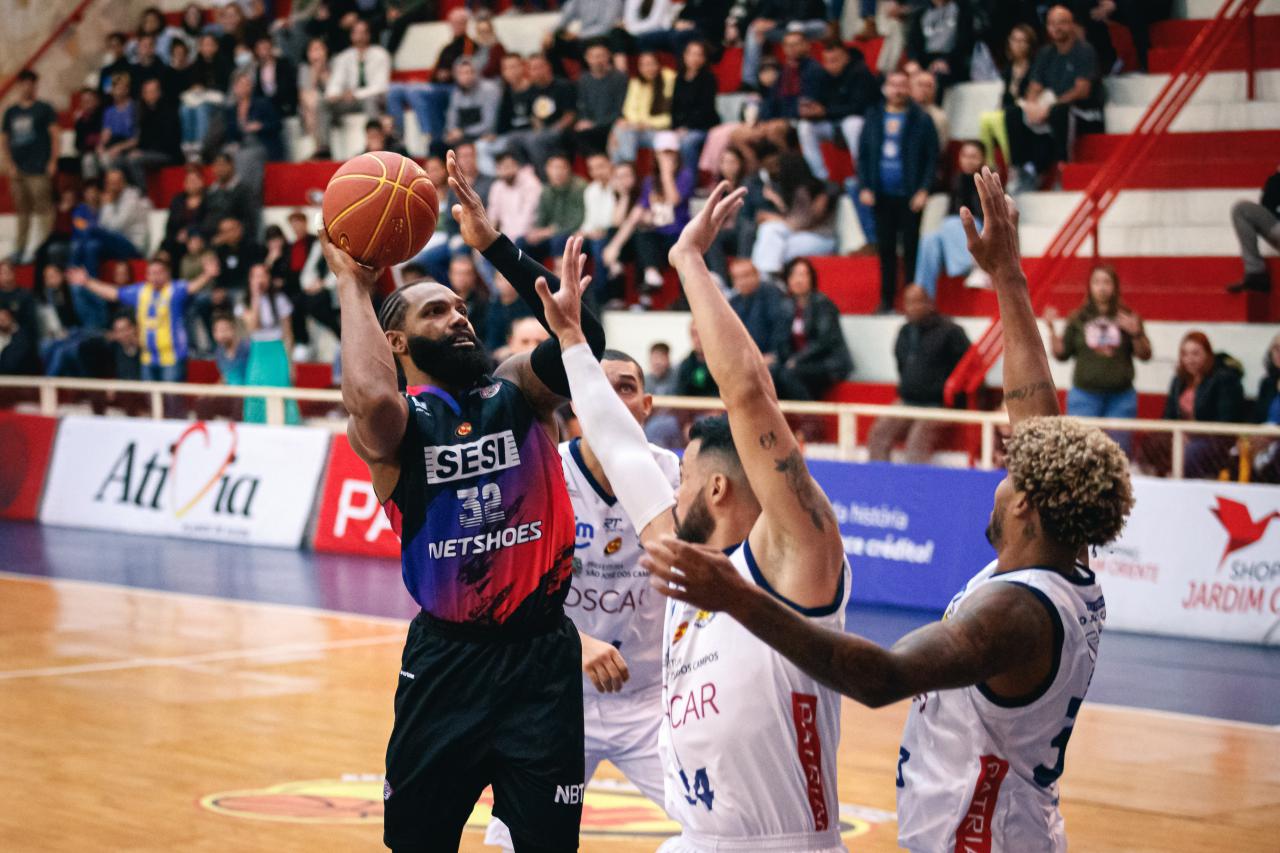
<point>700,790</point>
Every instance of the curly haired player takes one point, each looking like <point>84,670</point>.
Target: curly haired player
<point>998,683</point>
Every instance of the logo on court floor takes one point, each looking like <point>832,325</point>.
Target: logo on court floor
<point>612,808</point>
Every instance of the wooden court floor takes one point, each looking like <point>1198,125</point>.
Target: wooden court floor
<point>147,721</point>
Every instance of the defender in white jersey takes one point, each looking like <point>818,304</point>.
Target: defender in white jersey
<point>999,681</point>
<point>618,615</point>
<point>748,741</point>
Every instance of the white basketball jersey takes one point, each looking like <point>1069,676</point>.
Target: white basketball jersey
<point>749,741</point>
<point>610,598</point>
<point>978,772</point>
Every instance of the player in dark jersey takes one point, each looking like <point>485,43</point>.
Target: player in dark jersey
<point>467,468</point>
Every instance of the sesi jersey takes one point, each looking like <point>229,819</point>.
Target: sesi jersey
<point>484,520</point>
<point>980,772</point>
<point>749,741</point>
<point>611,599</point>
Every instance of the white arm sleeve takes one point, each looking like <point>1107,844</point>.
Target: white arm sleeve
<point>617,440</point>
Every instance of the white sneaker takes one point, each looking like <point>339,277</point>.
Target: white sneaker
<point>978,278</point>
<point>301,352</point>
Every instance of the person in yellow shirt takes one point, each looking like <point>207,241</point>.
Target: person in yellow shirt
<point>646,110</point>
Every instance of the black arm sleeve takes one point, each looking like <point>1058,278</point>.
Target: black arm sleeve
<point>523,271</point>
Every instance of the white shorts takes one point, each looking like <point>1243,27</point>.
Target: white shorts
<point>807,843</point>
<point>622,730</point>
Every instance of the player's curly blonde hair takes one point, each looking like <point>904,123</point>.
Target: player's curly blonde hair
<point>1075,476</point>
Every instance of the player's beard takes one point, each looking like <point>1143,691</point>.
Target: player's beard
<point>697,525</point>
<point>995,531</point>
<point>447,363</point>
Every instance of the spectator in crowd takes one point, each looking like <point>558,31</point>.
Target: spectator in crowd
<point>928,348</point>
<point>946,248</point>
<point>464,280</point>
<point>1268,400</point>
<point>1205,387</point>
<point>1253,221</point>
<point>834,98</point>
<point>56,248</point>
<point>1137,15</point>
<point>84,222</point>
<point>19,347</point>
<point>473,107</point>
<point>152,23</point>
<point>30,156</point>
<point>266,319</point>
<point>191,259</point>
<point>897,159</point>
<point>464,154</point>
<point>1015,77</point>
<point>360,78</point>
<point>61,332</point>
<point>804,222</point>
<point>693,101</point>
<point>763,309</point>
<point>240,31</point>
<point>191,27</point>
<point>551,105</point>
<point>582,22</point>
<point>513,113</point>
<point>817,355</point>
<point>19,300</point>
<point>430,101</point>
<point>445,240</point>
<point>210,79</point>
<point>179,59</point>
<point>597,219</point>
<point>231,353</point>
<point>254,131</point>
<point>781,96</point>
<point>1064,96</point>
<point>693,379</point>
<point>376,139</point>
<point>119,231</point>
<point>525,335</point>
<point>402,14</point>
<point>560,210</point>
<point>620,247</point>
<point>695,19</point>
<point>642,19</point>
<point>149,67</point>
<point>646,110</point>
<point>665,196</point>
<point>940,40</point>
<point>601,92</point>
<point>159,136</point>
<point>119,125</point>
<point>313,80</point>
<point>504,311</point>
<point>114,62</point>
<point>1104,336</point>
<point>924,92</point>
<point>160,304</point>
<point>88,131</point>
<point>663,426</point>
<point>765,22</point>
<point>229,197</point>
<point>487,50</point>
<point>237,253</point>
<point>513,198</point>
<point>736,238</point>
<point>274,78</point>
<point>330,20</point>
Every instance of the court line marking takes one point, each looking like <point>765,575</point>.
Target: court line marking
<point>288,649</point>
<point>390,620</point>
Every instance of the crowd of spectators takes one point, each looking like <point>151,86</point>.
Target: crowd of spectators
<point>612,131</point>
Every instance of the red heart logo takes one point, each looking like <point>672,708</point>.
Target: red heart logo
<point>201,429</point>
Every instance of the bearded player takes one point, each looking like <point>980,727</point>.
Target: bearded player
<point>748,741</point>
<point>466,466</point>
<point>618,616</point>
<point>997,684</point>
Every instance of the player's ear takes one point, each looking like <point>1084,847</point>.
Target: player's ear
<point>647,405</point>
<point>717,488</point>
<point>398,340</point>
<point>1020,506</point>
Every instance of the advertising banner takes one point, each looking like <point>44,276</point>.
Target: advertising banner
<point>1198,558</point>
<point>25,444</point>
<point>213,480</point>
<point>349,519</point>
<point>914,534</point>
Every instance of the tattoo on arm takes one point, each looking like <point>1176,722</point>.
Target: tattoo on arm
<point>803,487</point>
<point>768,440</point>
<point>1027,391</point>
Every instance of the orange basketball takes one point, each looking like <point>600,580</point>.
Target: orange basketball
<point>380,208</point>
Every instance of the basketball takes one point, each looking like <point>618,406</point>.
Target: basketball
<point>380,208</point>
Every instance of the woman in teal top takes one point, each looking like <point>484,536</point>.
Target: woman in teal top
<point>270,341</point>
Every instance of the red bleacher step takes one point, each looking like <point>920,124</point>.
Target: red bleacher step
<point>1170,40</point>
<point>1176,174</point>
<point>1201,146</point>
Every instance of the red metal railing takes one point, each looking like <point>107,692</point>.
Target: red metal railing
<point>1101,192</point>
<point>74,17</point>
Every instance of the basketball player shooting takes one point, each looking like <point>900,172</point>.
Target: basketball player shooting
<point>466,466</point>
<point>998,683</point>
<point>748,741</point>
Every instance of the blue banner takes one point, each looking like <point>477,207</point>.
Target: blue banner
<point>914,534</point>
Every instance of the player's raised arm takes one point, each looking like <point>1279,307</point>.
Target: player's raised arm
<point>999,628</point>
<point>370,391</point>
<point>797,535</point>
<point>614,435</point>
<point>540,374</point>
<point>1028,385</point>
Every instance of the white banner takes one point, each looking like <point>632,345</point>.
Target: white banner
<point>1197,559</point>
<point>194,479</point>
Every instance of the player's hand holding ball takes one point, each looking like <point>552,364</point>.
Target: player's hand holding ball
<point>380,208</point>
